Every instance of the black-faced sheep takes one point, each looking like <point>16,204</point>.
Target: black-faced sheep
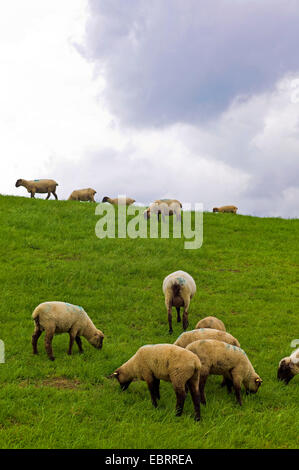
<point>232,209</point>
<point>153,363</point>
<point>39,186</point>
<point>211,322</point>
<point>288,367</point>
<point>83,195</point>
<point>164,207</point>
<point>205,333</point>
<point>119,200</point>
<point>219,358</point>
<point>178,288</point>
<point>61,317</point>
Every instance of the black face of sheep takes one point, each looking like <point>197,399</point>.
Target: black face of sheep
<point>18,183</point>
<point>105,199</point>
<point>146,214</point>
<point>122,380</point>
<point>284,373</point>
<point>215,209</point>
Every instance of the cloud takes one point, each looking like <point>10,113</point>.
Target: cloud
<point>175,61</point>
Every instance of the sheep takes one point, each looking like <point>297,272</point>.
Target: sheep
<point>288,367</point>
<point>119,200</point>
<point>83,195</point>
<point>164,207</point>
<point>168,362</point>
<point>61,317</point>
<point>232,209</point>
<point>211,322</point>
<point>205,333</point>
<point>220,358</point>
<point>39,186</point>
<point>178,288</point>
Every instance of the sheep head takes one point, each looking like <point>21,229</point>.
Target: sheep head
<point>97,339</point>
<point>19,183</point>
<point>286,370</point>
<point>123,378</point>
<point>253,384</point>
<point>105,199</point>
<point>215,209</point>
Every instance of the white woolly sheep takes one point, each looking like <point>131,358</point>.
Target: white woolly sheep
<point>288,367</point>
<point>83,195</point>
<point>211,322</point>
<point>232,209</point>
<point>168,362</point>
<point>219,358</point>
<point>39,186</point>
<point>61,317</point>
<point>178,288</point>
<point>205,333</point>
<point>164,207</point>
<point>119,200</point>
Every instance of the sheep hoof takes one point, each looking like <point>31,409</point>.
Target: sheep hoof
<point>197,418</point>
<point>170,332</point>
<point>52,358</point>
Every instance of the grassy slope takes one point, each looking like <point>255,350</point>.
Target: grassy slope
<point>246,274</point>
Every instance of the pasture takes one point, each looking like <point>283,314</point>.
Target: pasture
<point>246,274</point>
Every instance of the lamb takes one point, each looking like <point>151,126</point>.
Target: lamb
<point>211,322</point>
<point>220,358</point>
<point>61,317</point>
<point>232,209</point>
<point>39,186</point>
<point>288,367</point>
<point>205,333</point>
<point>168,362</point>
<point>83,195</point>
<point>119,200</point>
<point>164,207</point>
<point>178,288</point>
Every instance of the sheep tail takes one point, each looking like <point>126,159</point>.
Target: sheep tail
<point>176,289</point>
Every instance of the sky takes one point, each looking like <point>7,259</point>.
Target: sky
<point>188,99</point>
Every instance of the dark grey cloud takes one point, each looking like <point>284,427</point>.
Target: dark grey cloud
<point>185,61</point>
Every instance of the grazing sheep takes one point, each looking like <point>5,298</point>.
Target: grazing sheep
<point>288,367</point>
<point>164,207</point>
<point>211,322</point>
<point>153,363</point>
<point>83,195</point>
<point>61,317</point>
<point>219,358</point>
<point>178,287</point>
<point>232,209</point>
<point>205,333</point>
<point>39,186</point>
<point>119,200</point>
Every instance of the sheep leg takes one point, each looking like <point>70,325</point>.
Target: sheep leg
<point>194,391</point>
<point>48,344</point>
<point>186,299</point>
<point>151,387</point>
<point>55,195</point>
<point>35,336</point>
<point>170,320</point>
<point>180,400</point>
<point>237,386</point>
<point>185,320</point>
<point>157,388</point>
<point>79,343</point>
<point>178,312</point>
<point>32,194</point>
<point>202,383</point>
<point>49,194</point>
<point>72,339</point>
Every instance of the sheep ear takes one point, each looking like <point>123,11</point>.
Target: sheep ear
<point>258,380</point>
<point>113,376</point>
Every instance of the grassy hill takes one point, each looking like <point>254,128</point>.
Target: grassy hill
<point>246,274</point>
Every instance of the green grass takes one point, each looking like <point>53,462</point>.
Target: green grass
<point>246,274</point>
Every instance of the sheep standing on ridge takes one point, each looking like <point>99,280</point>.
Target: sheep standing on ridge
<point>61,317</point>
<point>178,288</point>
<point>219,358</point>
<point>288,367</point>
<point>164,207</point>
<point>39,186</point>
<point>232,209</point>
<point>211,322</point>
<point>119,200</point>
<point>153,363</point>
<point>83,195</point>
